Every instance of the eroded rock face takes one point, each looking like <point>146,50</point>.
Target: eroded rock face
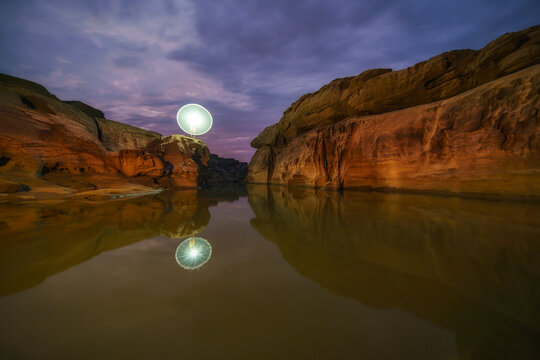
<point>181,157</point>
<point>116,136</point>
<point>473,139</point>
<point>70,145</point>
<point>138,163</point>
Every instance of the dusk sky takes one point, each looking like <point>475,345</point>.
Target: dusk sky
<point>245,61</point>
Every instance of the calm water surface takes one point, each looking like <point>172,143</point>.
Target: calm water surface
<point>300,274</point>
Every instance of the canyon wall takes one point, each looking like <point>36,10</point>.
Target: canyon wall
<point>464,121</point>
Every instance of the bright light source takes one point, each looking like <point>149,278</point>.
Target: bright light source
<point>194,119</point>
<point>193,253</point>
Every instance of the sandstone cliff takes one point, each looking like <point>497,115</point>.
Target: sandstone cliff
<point>463,121</point>
<point>114,135</point>
<point>65,148</point>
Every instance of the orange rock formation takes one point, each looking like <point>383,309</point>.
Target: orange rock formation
<point>463,121</point>
<point>64,148</point>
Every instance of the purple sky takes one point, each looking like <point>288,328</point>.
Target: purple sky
<point>245,61</point>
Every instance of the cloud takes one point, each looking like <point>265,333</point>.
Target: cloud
<point>62,80</point>
<point>126,61</point>
<point>246,61</point>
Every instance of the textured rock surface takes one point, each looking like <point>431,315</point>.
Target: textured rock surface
<point>114,135</point>
<point>138,163</point>
<point>478,139</point>
<point>408,252</point>
<point>87,109</point>
<point>13,82</point>
<point>181,157</point>
<point>70,147</point>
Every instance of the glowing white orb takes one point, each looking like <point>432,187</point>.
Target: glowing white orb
<point>193,253</point>
<point>194,119</point>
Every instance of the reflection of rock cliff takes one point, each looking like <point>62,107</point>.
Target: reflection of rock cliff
<point>468,266</point>
<point>41,240</point>
<point>70,145</point>
<point>464,121</point>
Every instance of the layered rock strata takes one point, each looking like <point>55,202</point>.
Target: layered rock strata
<point>463,121</point>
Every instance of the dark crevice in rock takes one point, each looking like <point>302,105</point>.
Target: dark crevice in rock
<point>167,167</point>
<point>45,169</point>
<point>99,130</point>
<point>27,102</point>
<point>4,160</point>
<point>23,188</point>
<point>271,160</point>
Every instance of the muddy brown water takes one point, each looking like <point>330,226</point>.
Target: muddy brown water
<point>293,273</point>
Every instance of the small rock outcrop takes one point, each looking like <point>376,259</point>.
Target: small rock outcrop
<point>181,156</point>
<point>463,121</point>
<point>222,170</point>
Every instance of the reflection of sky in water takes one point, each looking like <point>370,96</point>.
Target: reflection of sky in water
<point>193,253</point>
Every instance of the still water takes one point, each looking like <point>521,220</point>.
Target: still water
<point>289,274</point>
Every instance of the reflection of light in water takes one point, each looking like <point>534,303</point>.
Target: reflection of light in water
<point>193,253</point>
